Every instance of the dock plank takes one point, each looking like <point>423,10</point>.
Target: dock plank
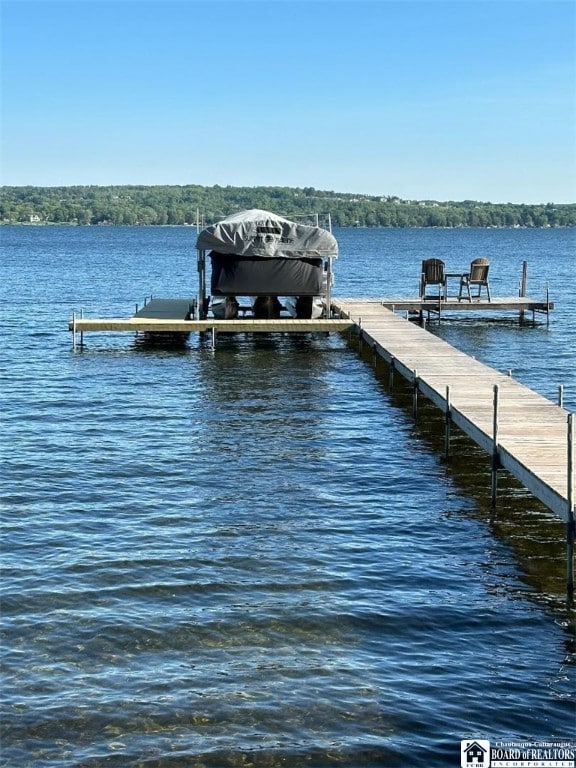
<point>163,325</point>
<point>167,309</point>
<point>496,304</point>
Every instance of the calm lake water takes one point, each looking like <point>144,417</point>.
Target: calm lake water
<point>254,557</point>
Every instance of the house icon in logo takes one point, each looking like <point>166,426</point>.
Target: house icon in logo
<point>475,754</point>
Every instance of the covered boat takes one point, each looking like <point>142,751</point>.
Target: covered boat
<point>279,264</point>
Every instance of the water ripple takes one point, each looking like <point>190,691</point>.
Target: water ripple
<point>255,557</point>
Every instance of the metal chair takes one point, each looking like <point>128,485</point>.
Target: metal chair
<point>433,274</point>
<point>478,276</point>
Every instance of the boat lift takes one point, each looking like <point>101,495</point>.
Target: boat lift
<point>256,253</point>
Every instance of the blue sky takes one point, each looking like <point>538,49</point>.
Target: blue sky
<point>424,99</point>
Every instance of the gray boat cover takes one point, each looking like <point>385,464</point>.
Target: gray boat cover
<point>250,276</point>
<point>264,234</point>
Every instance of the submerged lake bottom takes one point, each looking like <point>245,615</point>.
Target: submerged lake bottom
<point>255,556</point>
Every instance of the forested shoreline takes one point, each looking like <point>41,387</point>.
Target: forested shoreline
<point>188,204</point>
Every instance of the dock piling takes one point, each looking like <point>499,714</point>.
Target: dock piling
<point>447,424</point>
<point>523,288</point>
<point>74,327</point>
<point>495,459</point>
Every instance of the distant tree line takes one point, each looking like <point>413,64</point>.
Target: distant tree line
<point>157,205</point>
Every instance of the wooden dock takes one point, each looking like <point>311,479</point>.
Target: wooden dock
<point>176,316</point>
<point>170,316</point>
<point>242,325</point>
<point>523,431</point>
<point>518,304</point>
<point>528,436</point>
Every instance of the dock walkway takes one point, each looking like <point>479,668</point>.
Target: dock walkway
<point>524,432</point>
<point>176,316</point>
<point>168,315</point>
<point>519,304</point>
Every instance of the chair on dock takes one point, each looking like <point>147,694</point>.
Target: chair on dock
<point>433,274</point>
<point>478,276</point>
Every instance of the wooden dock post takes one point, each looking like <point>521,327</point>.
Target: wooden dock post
<point>447,424</point>
<point>495,458</point>
<point>571,521</point>
<point>75,319</point>
<point>391,374</point>
<point>561,396</point>
<point>523,288</point>
<point>415,394</point>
